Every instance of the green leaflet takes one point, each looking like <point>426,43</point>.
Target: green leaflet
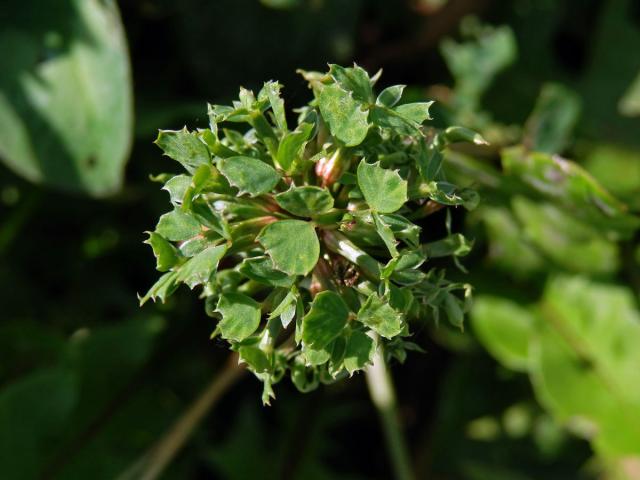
<point>377,314</point>
<point>355,80</point>
<point>325,320</point>
<point>359,351</point>
<point>199,269</point>
<point>345,116</point>
<point>385,233</point>
<point>249,175</point>
<point>462,134</point>
<point>291,147</point>
<point>415,112</point>
<point>292,245</point>
<point>184,147</point>
<point>163,287</point>
<point>272,91</point>
<point>390,96</point>
<point>454,244</point>
<point>261,270</point>
<point>240,316</point>
<point>166,254</point>
<point>384,190</point>
<point>177,187</point>
<point>177,225</point>
<point>307,201</point>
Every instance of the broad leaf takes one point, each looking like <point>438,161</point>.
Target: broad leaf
<point>325,320</point>
<point>505,329</point>
<point>377,314</point>
<point>359,352</point>
<point>261,270</point>
<point>384,190</point>
<point>163,287</point>
<point>292,245</point>
<point>291,147</point>
<point>249,175</point>
<point>585,362</point>
<point>199,269</point>
<point>455,244</point>
<point>166,254</point>
<point>178,225</point>
<point>355,80</point>
<point>550,125</point>
<point>272,91</point>
<point>240,316</point>
<point>306,201</point>
<point>184,147</point>
<point>65,94</point>
<point>390,96</point>
<point>386,234</point>
<point>346,118</point>
<point>415,112</point>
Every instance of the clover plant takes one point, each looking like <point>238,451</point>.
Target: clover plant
<point>304,238</point>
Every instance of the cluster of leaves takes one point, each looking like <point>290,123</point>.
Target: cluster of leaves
<point>303,240</point>
<point>549,225</point>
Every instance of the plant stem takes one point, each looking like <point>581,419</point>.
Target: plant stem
<point>383,396</point>
<point>153,463</point>
<point>17,219</point>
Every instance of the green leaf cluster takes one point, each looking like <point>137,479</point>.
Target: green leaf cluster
<point>578,345</point>
<point>302,238</point>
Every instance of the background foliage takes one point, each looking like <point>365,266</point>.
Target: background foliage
<point>543,383</point>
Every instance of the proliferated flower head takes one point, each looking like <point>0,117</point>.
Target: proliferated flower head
<point>306,241</point>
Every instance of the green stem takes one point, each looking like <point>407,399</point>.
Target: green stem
<point>17,219</point>
<point>265,132</point>
<point>383,398</point>
<point>338,243</point>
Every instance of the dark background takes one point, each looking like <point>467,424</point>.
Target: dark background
<point>70,266</point>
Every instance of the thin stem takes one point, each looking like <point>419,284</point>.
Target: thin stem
<point>383,397</point>
<point>17,219</point>
<point>153,463</point>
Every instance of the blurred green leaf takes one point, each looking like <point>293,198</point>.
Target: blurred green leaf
<point>505,329</point>
<point>575,245</point>
<point>34,411</point>
<point>585,362</point>
<point>475,63</point>
<point>629,104</point>
<point>617,169</point>
<point>550,125</point>
<point>65,94</point>
<point>572,187</point>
